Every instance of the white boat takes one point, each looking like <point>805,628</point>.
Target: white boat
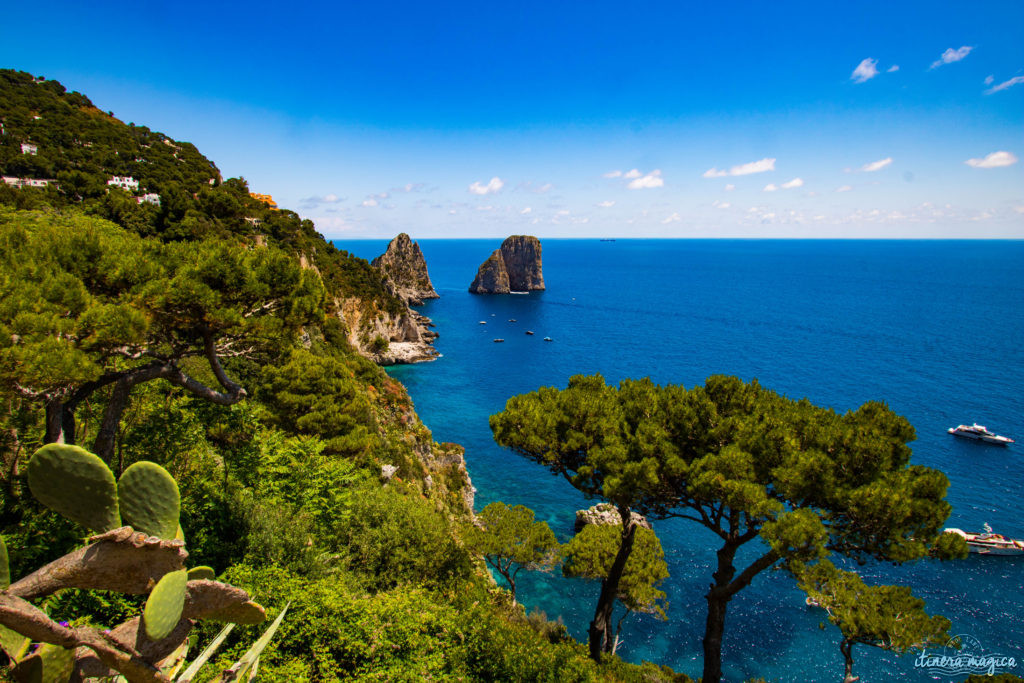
<point>988,543</point>
<point>980,433</point>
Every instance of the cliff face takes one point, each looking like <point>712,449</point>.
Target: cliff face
<point>492,276</point>
<point>515,267</point>
<point>385,338</point>
<point>405,269</point>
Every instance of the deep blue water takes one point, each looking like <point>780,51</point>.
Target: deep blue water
<point>933,328</point>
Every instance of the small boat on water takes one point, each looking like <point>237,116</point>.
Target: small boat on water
<point>988,543</point>
<point>483,322</point>
<point>548,339</point>
<point>498,341</point>
<point>529,332</point>
<point>511,320</point>
<point>979,433</point>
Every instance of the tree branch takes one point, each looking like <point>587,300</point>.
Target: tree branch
<point>744,578</point>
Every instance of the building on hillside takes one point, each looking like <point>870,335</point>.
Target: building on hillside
<point>27,182</point>
<point>255,222</point>
<point>149,198</point>
<point>124,182</point>
<point>265,198</point>
<point>26,148</point>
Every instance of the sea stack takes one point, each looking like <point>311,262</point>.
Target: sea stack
<point>515,267</point>
<point>405,269</point>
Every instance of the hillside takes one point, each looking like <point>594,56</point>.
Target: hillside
<point>228,342</point>
<point>62,139</point>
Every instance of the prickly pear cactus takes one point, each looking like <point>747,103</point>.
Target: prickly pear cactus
<point>201,573</point>
<point>76,484</point>
<point>149,499</point>
<point>163,608</point>
<point>48,664</point>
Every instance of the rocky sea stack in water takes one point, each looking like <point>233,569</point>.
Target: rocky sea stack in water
<point>406,337</point>
<point>515,267</point>
<point>405,269</point>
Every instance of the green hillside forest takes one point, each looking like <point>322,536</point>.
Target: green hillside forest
<point>182,357</point>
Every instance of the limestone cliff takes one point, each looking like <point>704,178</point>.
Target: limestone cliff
<point>385,338</point>
<point>405,270</point>
<point>515,267</point>
<point>605,514</point>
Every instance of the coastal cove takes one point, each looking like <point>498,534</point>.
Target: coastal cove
<point>933,328</point>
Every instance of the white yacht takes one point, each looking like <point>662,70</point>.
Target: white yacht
<point>980,433</point>
<point>988,543</point>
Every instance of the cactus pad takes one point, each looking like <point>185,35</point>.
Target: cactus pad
<point>241,613</point>
<point>149,499</point>
<point>201,573</point>
<point>76,484</point>
<point>163,608</point>
<point>48,664</point>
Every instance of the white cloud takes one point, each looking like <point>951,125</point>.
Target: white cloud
<point>892,69</point>
<point>951,55</point>
<point>648,181</point>
<point>494,185</point>
<point>613,174</point>
<point>843,188</point>
<point>1004,85</point>
<point>770,187</point>
<point>989,79</point>
<point>795,182</point>
<point>730,187</point>
<point>631,174</point>
<point>723,205</point>
<point>331,198</point>
<point>409,187</point>
<point>526,211</point>
<point>760,166</point>
<point>1019,209</point>
<point>865,71</point>
<point>674,218</point>
<point>370,202</point>
<point>876,165</point>
<point>993,160</point>
<point>607,204</point>
<point>563,212</point>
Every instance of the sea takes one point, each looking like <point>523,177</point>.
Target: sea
<point>935,329</point>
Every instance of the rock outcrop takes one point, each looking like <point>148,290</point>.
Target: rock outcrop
<point>405,270</point>
<point>386,338</point>
<point>605,514</point>
<point>515,267</point>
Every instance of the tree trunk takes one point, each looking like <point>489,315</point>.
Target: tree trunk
<point>54,421</point>
<point>718,597</point>
<point>600,628</point>
<point>846,647</point>
<point>106,437</point>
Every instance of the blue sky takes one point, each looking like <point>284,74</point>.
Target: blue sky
<point>574,119</point>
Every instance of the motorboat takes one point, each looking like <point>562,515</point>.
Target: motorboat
<point>548,339</point>
<point>483,322</point>
<point>529,332</point>
<point>988,543</point>
<point>979,433</point>
<point>498,341</point>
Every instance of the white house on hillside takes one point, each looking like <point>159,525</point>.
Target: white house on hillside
<point>124,182</point>
<point>150,198</point>
<point>26,148</point>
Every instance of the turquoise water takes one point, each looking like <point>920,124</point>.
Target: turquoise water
<point>933,328</point>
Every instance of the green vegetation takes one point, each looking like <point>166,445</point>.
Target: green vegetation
<point>590,554</point>
<point>510,540</point>
<point>742,461</point>
<point>886,617</point>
